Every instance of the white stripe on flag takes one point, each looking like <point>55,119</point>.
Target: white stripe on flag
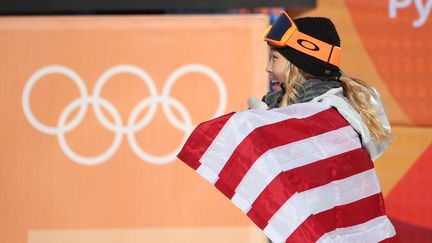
<point>292,155</point>
<point>301,205</point>
<point>374,230</point>
<point>239,126</point>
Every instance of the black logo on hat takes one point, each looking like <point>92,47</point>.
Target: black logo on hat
<point>314,48</point>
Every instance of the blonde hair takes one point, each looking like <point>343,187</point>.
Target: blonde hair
<point>294,78</point>
<point>356,91</point>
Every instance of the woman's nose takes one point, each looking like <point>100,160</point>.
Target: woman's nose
<point>268,67</point>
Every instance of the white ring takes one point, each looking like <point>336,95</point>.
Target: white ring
<point>146,156</point>
<point>96,159</point>
<point>124,69</point>
<point>34,78</point>
<point>199,68</point>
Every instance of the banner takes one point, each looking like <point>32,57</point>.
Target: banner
<point>94,111</point>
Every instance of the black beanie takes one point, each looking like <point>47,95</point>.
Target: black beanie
<point>322,29</point>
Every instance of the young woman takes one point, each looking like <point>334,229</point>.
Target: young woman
<point>304,61</point>
<point>302,172</point>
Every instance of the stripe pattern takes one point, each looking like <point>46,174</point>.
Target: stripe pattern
<point>298,172</point>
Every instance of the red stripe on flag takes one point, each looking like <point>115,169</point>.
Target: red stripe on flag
<point>343,216</point>
<point>304,178</point>
<point>270,136</point>
<point>200,140</point>
<point>393,239</point>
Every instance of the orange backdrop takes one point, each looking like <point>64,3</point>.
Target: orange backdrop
<point>62,173</point>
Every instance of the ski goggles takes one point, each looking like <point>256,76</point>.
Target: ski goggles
<point>284,32</point>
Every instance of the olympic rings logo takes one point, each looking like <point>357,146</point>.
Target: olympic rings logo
<point>118,127</point>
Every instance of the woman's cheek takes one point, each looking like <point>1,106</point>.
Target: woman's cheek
<point>280,74</point>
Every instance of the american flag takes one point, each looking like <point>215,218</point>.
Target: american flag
<point>298,172</point>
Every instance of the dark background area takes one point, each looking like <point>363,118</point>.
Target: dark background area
<point>72,7</point>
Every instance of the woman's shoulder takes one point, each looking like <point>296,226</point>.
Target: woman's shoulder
<point>335,98</point>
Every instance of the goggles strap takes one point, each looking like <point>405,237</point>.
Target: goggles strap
<point>314,47</point>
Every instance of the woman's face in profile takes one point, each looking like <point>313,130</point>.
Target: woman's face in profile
<point>276,66</point>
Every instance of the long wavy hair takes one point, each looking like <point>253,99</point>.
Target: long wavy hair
<point>356,91</point>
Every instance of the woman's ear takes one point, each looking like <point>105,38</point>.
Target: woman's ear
<point>306,75</point>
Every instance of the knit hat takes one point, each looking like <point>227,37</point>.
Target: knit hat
<point>322,29</point>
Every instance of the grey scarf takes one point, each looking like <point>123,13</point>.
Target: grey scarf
<point>306,92</point>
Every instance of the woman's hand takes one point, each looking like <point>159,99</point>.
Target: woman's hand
<point>255,103</point>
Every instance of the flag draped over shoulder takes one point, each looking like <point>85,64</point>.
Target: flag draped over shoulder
<point>298,172</point>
